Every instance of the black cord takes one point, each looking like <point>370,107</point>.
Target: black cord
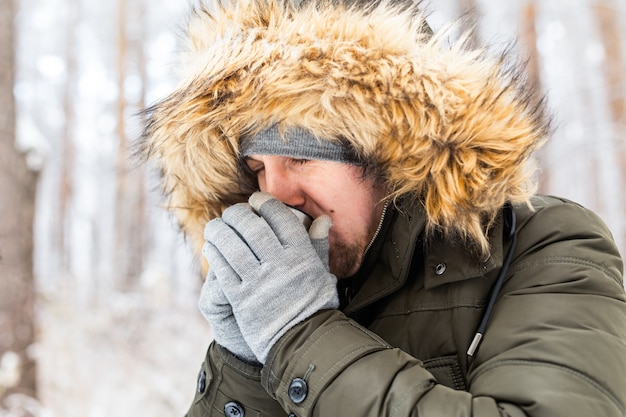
<point>509,219</point>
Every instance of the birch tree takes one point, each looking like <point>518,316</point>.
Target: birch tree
<point>17,188</point>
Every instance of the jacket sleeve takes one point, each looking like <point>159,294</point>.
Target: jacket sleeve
<point>555,345</point>
<point>226,386</point>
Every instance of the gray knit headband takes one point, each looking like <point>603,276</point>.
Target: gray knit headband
<point>296,143</point>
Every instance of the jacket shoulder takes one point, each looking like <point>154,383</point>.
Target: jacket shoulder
<point>558,327</point>
<point>553,229</point>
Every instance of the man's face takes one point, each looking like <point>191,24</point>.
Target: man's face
<point>332,188</point>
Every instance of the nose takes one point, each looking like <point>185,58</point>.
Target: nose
<point>282,184</point>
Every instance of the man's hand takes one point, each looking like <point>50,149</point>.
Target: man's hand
<point>218,312</point>
<point>269,268</point>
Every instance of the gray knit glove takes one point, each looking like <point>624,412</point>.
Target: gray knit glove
<point>269,269</point>
<point>218,312</point>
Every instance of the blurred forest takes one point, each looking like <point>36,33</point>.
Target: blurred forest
<point>98,290</point>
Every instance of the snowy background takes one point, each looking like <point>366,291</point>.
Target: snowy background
<point>119,331</point>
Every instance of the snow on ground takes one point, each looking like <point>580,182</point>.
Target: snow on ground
<point>119,361</point>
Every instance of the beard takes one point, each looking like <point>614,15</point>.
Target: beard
<point>345,259</point>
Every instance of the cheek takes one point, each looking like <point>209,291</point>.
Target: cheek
<point>260,180</point>
<point>347,229</point>
<point>352,223</point>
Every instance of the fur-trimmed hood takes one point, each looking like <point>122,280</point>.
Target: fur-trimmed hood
<point>450,126</point>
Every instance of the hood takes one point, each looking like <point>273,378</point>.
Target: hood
<point>450,126</point>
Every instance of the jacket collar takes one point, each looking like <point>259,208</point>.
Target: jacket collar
<point>387,264</point>
<point>447,262</point>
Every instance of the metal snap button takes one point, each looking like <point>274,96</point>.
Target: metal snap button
<point>440,269</point>
<point>202,382</point>
<point>298,390</point>
<point>233,409</point>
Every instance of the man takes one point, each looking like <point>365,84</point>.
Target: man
<point>431,281</point>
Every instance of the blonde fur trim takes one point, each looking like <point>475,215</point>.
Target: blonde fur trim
<point>451,126</point>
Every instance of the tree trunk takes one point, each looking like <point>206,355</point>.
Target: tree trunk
<point>528,36</point>
<point>130,190</point>
<point>17,188</point>
<point>608,21</point>
<point>66,187</point>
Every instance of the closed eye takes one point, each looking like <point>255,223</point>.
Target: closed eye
<point>299,161</point>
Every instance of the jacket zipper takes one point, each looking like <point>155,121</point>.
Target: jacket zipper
<point>380,226</point>
<point>348,291</point>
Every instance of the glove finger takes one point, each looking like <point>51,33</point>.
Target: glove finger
<point>254,230</point>
<point>213,303</point>
<point>286,226</point>
<point>227,279</point>
<point>320,227</point>
<point>318,232</point>
<point>226,250</point>
<point>217,311</point>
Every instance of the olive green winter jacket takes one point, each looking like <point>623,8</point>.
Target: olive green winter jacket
<point>450,125</point>
<point>554,345</point>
